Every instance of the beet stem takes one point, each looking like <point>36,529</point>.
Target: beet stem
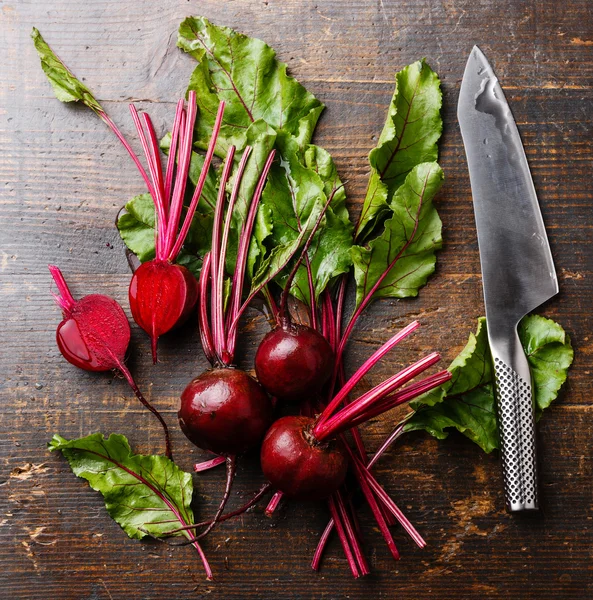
<point>126,373</point>
<point>158,169</point>
<point>343,537</point>
<point>273,503</point>
<point>312,306</point>
<point>343,419</point>
<point>183,163</point>
<point>186,131</point>
<point>208,464</point>
<point>172,155</point>
<point>355,433</point>
<point>239,275</point>
<point>405,395</point>
<point>366,367</point>
<point>203,324</point>
<point>231,470</point>
<point>351,533</point>
<point>321,545</point>
<point>225,356</point>
<point>63,298</point>
<point>374,506</point>
<point>327,329</point>
<point>201,181</point>
<point>385,498</point>
<point>161,228</point>
<point>271,302</point>
<point>393,436</point>
<point>217,271</point>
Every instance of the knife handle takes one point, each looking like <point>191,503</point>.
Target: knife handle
<point>516,422</point>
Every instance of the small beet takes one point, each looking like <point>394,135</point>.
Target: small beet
<point>225,411</point>
<point>94,335</point>
<point>293,362</point>
<point>295,463</point>
<point>162,296</point>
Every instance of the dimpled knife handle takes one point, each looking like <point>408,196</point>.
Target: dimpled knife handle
<point>516,424</point>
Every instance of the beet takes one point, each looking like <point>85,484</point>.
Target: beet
<point>225,411</point>
<point>162,296</point>
<point>94,335</point>
<point>294,462</point>
<point>293,361</point>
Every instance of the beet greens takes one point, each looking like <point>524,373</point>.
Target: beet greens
<point>271,223</point>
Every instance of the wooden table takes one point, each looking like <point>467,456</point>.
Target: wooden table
<point>64,178</point>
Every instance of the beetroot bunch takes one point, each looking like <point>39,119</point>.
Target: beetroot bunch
<point>306,456</point>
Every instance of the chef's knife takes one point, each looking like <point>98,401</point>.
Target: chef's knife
<point>517,268</point>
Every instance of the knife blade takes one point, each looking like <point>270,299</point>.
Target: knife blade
<point>518,271</point>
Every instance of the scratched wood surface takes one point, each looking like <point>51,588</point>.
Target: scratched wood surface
<point>63,180</point>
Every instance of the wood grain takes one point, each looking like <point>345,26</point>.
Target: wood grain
<point>64,178</point>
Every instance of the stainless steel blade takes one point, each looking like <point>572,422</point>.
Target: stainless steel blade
<point>517,268</point>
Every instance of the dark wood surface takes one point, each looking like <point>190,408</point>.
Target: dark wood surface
<point>63,179</point>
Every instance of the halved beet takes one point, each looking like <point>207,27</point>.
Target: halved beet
<point>162,296</point>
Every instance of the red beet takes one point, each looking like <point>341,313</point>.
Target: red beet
<point>162,296</point>
<point>293,362</point>
<point>94,335</point>
<point>294,462</point>
<point>225,411</point>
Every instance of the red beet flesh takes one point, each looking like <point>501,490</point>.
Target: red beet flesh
<point>162,295</point>
<point>293,362</point>
<point>297,465</point>
<point>94,334</point>
<point>225,411</point>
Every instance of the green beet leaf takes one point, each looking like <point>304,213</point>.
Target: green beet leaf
<point>322,163</point>
<point>549,353</point>
<point>66,86</point>
<point>409,138</point>
<point>143,494</point>
<point>245,73</point>
<point>399,261</point>
<point>300,183</point>
<point>467,403</point>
